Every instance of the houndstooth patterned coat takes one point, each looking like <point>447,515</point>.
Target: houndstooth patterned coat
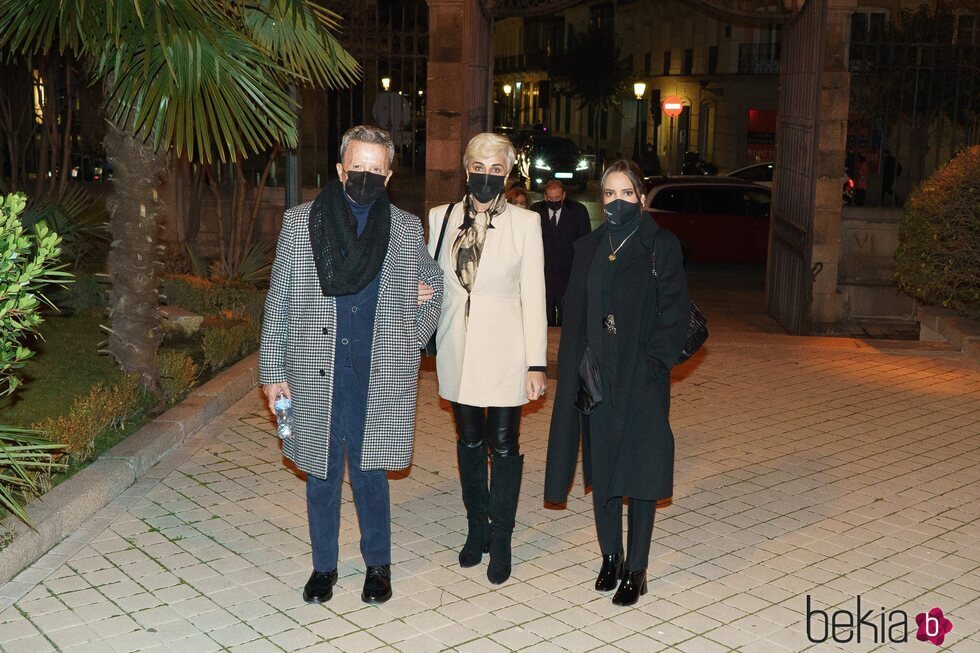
<point>299,340</point>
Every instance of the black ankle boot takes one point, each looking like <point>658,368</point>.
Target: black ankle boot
<point>610,573</point>
<point>505,488</point>
<point>634,586</point>
<point>473,480</point>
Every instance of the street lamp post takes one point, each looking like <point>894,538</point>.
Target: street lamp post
<point>517,103</point>
<point>639,89</point>
<point>507,110</point>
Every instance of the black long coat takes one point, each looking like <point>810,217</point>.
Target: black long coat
<point>641,464</point>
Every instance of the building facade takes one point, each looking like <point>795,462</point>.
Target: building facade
<point>725,74</point>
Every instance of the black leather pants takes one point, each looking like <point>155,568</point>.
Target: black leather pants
<point>498,427</point>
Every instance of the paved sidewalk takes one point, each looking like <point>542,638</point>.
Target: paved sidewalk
<point>805,467</point>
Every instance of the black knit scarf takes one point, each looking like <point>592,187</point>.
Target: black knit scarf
<point>346,262</point>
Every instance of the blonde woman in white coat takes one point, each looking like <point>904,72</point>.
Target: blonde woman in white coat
<point>492,342</point>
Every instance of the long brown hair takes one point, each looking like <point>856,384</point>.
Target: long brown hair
<point>628,168</point>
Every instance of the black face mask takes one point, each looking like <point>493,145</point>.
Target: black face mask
<point>554,206</point>
<point>484,187</point>
<point>364,187</point>
<point>621,211</point>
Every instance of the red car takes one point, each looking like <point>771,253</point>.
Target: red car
<point>717,219</point>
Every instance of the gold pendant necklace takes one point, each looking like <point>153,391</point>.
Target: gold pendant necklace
<point>612,255</point>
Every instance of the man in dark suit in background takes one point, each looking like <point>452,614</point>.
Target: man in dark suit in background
<point>563,221</point>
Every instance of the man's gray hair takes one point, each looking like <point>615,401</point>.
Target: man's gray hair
<point>367,134</point>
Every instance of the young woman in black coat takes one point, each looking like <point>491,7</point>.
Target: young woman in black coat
<point>632,310</point>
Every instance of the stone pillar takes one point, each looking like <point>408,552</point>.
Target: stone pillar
<point>457,87</point>
<point>833,105</point>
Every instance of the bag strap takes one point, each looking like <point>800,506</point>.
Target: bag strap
<point>442,232</point>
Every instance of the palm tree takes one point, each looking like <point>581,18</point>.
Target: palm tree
<point>593,71</point>
<point>204,79</point>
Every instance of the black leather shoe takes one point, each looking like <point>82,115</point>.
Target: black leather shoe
<point>610,573</point>
<point>319,588</point>
<point>377,584</point>
<point>634,586</point>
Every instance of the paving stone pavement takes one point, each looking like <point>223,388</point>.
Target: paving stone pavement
<point>805,467</point>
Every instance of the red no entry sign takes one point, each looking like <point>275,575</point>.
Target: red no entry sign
<point>673,106</point>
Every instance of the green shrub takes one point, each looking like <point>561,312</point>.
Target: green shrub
<point>88,291</point>
<point>105,406</point>
<point>27,263</point>
<point>178,374</point>
<point>223,346</point>
<point>188,292</point>
<point>938,256</point>
<point>224,298</point>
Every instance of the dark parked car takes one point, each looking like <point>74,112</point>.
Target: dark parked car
<point>542,158</point>
<point>717,219</point>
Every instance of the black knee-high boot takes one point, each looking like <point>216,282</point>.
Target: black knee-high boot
<point>505,488</point>
<point>476,497</point>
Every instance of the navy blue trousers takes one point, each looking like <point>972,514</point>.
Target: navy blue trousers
<point>371,498</point>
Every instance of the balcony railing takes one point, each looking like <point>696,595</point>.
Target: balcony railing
<point>758,58</point>
<point>519,63</point>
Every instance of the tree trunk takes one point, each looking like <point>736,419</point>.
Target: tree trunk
<point>133,264</point>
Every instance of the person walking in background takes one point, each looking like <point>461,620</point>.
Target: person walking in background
<point>563,221</point>
<point>352,298</point>
<point>492,342</point>
<point>627,305</point>
<point>650,162</point>
<point>861,170</point>
<point>890,170</point>
<point>518,197</point>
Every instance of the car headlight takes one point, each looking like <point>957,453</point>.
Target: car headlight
<point>541,164</point>
<point>582,165</point>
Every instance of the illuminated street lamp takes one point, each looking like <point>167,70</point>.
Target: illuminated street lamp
<point>386,83</point>
<point>639,89</point>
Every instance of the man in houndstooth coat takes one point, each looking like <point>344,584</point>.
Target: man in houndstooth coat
<point>354,294</point>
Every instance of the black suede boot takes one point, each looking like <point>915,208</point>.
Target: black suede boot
<point>505,488</point>
<point>473,479</point>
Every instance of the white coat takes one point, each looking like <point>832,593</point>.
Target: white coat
<point>485,362</point>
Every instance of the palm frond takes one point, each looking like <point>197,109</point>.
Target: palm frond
<point>302,41</point>
<point>24,457</point>
<point>254,265</point>
<point>170,89</point>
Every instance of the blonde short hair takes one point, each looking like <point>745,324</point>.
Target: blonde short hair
<point>487,145</point>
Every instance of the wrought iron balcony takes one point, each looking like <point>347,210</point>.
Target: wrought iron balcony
<point>758,58</point>
<point>520,63</point>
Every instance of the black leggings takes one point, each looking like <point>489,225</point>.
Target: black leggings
<point>498,427</point>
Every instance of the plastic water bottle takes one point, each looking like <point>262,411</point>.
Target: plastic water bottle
<point>284,416</point>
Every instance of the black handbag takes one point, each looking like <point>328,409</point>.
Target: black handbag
<point>430,347</point>
<point>589,383</point>
<point>697,327</point>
